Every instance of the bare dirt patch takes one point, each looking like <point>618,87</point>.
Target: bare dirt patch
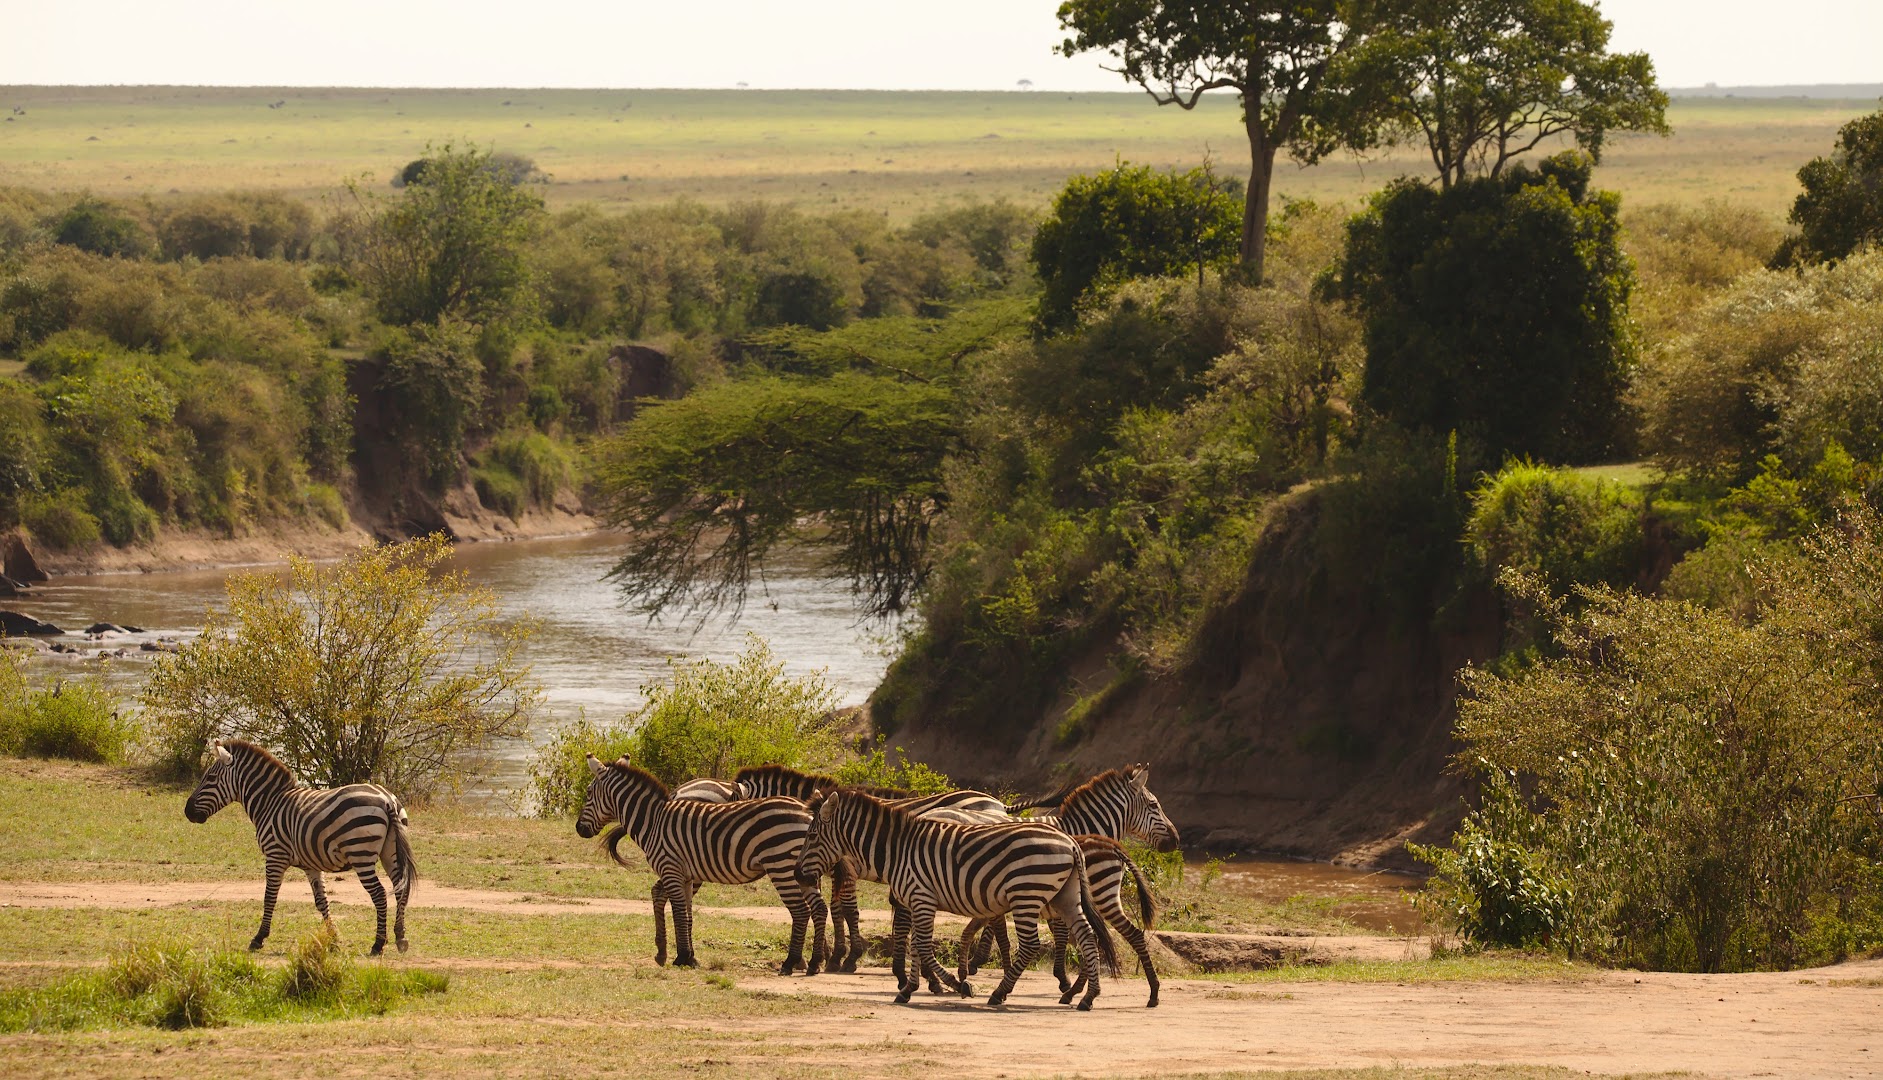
<point>1714,1025</point>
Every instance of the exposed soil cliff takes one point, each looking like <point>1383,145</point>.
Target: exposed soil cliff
<point>1314,721</point>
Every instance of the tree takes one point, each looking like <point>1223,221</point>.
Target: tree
<point>383,668</point>
<point>1126,223</point>
<point>102,228</point>
<point>1481,82</point>
<point>1497,308</point>
<point>1275,54</point>
<point>452,244</point>
<point>1841,207</point>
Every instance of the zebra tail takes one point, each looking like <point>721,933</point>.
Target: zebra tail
<point>1147,906</point>
<point>611,843</point>
<point>1101,931</point>
<point>402,850</point>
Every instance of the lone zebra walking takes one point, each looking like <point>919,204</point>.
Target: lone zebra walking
<point>981,871</point>
<point>313,829</point>
<point>688,841</point>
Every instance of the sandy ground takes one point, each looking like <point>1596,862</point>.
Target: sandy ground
<point>1795,1024</point>
<point>1822,1023</point>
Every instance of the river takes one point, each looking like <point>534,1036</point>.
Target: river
<point>592,655</point>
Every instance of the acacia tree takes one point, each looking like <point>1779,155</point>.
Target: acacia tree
<point>1841,207</point>
<point>1275,54</point>
<point>1481,82</point>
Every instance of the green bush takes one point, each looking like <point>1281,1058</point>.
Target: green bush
<point>499,489</point>
<point>1566,528</point>
<point>60,519</point>
<point>877,768</point>
<point>78,721</point>
<point>708,719</point>
<point>1671,786</point>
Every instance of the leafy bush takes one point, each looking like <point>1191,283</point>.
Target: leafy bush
<point>1670,788</point>
<point>1841,207</point>
<point>1684,253</point>
<point>78,721</point>
<point>1496,308</point>
<point>1130,223</point>
<point>1779,363</point>
<point>876,768</point>
<point>707,720</point>
<point>383,667</point>
<point>1555,524</point>
<point>60,519</point>
<point>101,228</point>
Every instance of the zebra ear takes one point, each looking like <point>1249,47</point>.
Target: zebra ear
<point>595,765</point>
<point>1140,773</point>
<point>817,798</point>
<point>223,757</point>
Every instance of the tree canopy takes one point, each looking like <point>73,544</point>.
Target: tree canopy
<point>1481,82</point>
<point>1275,54</point>
<point>1841,207</point>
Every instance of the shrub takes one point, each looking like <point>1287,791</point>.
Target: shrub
<point>708,719</point>
<point>1671,787</point>
<point>538,462</point>
<point>317,968</point>
<point>78,721</point>
<point>1496,308</point>
<point>102,228</point>
<point>1841,207</point>
<point>1130,223</point>
<point>877,768</point>
<point>383,667</point>
<point>60,519</point>
<point>1557,525</point>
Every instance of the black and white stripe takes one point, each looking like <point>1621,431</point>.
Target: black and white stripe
<point>313,829</point>
<point>1111,806</point>
<point>688,841</point>
<point>847,944</point>
<point>981,871</point>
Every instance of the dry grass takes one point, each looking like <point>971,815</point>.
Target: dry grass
<point>893,152</point>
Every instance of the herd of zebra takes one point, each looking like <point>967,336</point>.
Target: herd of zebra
<point>964,852</point>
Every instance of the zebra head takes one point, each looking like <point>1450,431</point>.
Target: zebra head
<point>818,853</point>
<point>1144,815</point>
<point>603,802</point>
<point>216,789</point>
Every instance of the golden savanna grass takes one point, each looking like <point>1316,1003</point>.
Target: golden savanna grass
<point>896,152</point>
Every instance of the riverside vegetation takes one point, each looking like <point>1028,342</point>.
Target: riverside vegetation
<point>1050,456</point>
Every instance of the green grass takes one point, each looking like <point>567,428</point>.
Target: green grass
<point>895,152</point>
<point>1633,474</point>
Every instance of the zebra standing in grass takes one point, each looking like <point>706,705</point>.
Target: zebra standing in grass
<point>845,917</point>
<point>1109,807</point>
<point>314,829</point>
<point>981,871</point>
<point>689,841</point>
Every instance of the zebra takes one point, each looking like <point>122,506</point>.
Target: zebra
<point>688,841</point>
<point>847,943</point>
<point>314,829</point>
<point>980,871</point>
<point>1105,809</point>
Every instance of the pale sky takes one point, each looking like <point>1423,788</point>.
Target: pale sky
<point>860,44</point>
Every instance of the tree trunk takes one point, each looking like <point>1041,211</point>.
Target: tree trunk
<point>1255,206</point>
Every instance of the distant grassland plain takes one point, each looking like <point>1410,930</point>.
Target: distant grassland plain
<point>896,152</point>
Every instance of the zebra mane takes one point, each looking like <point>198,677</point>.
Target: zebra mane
<point>1087,789</point>
<point>257,753</point>
<point>636,773</point>
<point>753,772</point>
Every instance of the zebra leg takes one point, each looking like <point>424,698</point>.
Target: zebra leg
<point>369,880</point>
<point>1115,914</point>
<point>839,937</point>
<point>965,965</point>
<point>792,892</point>
<point>402,892</point>
<point>269,893</point>
<point>682,898</point>
<point>1066,985</point>
<point>320,896</point>
<point>996,931</point>
<point>1083,937</point>
<point>1026,927</point>
<point>660,922</point>
<point>843,894</point>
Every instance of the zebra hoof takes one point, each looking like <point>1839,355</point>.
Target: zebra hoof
<point>997,998</point>
<point>685,962</point>
<point>255,945</point>
<point>1066,998</point>
<point>378,948</point>
<point>903,997</point>
<point>1086,1005</point>
<point>402,945</point>
<point>788,967</point>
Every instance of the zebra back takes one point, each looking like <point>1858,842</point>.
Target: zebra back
<point>730,842</point>
<point>312,828</point>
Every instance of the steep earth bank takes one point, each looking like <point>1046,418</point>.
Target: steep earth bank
<point>1315,721</point>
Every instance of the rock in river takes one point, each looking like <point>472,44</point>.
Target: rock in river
<point>14,624</point>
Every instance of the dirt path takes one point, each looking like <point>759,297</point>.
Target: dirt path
<point>1795,1024</point>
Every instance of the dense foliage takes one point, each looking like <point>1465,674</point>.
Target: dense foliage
<point>1841,207</point>
<point>1498,309</point>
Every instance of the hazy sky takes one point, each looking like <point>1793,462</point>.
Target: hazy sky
<point>894,44</point>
